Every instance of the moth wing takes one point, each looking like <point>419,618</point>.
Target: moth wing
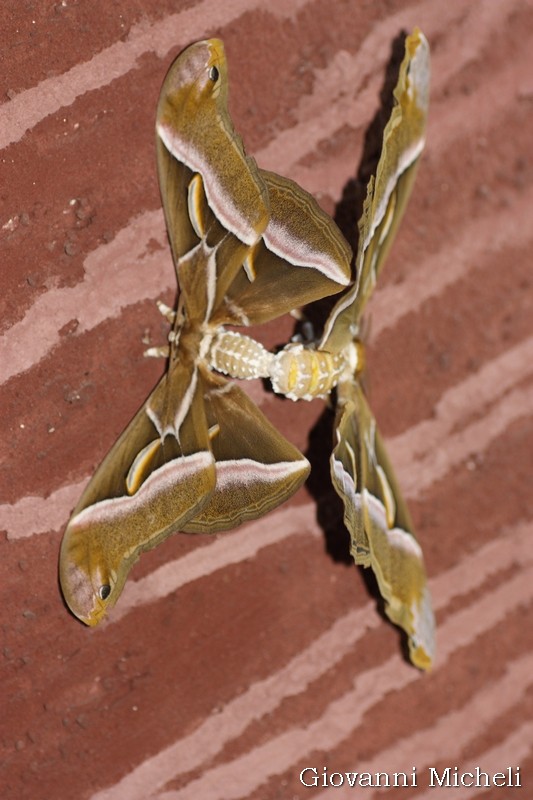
<point>379,523</point>
<point>301,257</point>
<point>216,198</point>
<point>257,469</point>
<point>388,192</point>
<point>147,486</point>
<point>211,190</point>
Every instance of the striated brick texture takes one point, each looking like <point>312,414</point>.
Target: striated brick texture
<point>233,662</point>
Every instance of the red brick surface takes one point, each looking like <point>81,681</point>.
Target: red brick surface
<point>232,663</point>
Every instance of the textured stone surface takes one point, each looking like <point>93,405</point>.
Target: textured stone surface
<point>233,662</point>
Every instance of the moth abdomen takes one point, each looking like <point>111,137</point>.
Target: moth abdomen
<point>239,356</point>
<point>303,374</point>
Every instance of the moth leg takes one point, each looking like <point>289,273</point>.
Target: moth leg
<point>166,311</point>
<point>306,333</point>
<point>164,350</point>
<point>157,352</point>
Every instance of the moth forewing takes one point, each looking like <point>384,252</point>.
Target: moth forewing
<point>388,191</point>
<point>403,142</point>
<point>195,130</point>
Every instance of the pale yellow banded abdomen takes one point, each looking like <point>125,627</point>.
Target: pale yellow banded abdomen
<point>239,356</point>
<point>301,373</point>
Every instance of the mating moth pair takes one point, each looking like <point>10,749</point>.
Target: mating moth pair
<point>249,246</point>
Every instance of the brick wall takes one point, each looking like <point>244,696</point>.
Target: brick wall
<point>233,662</point>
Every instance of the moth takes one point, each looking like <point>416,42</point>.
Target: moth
<point>375,513</point>
<point>248,246</point>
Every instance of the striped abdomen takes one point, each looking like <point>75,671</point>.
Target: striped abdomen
<point>239,356</point>
<point>299,372</point>
<point>302,374</point>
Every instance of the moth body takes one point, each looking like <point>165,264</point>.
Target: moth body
<point>239,356</point>
<point>301,373</point>
<point>249,246</point>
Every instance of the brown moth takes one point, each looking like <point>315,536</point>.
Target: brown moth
<point>374,511</point>
<point>238,234</point>
<point>199,455</point>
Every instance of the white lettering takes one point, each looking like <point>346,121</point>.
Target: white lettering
<point>332,782</point>
<point>486,776</point>
<point>378,779</point>
<point>351,777</point>
<point>365,779</point>
<point>448,776</point>
<point>436,780</point>
<point>314,779</point>
<point>324,776</point>
<point>405,782</point>
<point>465,782</point>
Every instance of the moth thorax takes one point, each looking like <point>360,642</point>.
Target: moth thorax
<point>239,356</point>
<point>303,374</point>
